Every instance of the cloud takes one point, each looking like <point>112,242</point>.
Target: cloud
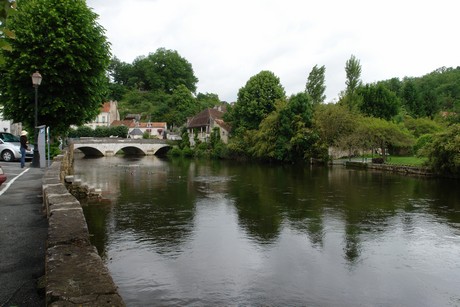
<point>227,42</point>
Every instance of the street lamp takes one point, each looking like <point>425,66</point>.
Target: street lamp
<point>36,80</point>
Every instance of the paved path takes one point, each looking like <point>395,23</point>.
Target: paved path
<point>23,232</point>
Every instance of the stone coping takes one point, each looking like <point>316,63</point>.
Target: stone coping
<point>75,273</point>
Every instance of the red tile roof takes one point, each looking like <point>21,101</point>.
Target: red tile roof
<point>105,107</point>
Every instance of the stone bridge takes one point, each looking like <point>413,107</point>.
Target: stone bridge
<point>110,146</point>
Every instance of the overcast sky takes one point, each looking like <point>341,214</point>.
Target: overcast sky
<point>227,42</point>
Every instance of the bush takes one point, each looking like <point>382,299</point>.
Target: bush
<point>378,160</point>
<point>422,143</point>
<point>101,131</point>
<point>175,152</point>
<point>443,152</point>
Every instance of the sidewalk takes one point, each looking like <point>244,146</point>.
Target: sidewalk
<point>23,233</point>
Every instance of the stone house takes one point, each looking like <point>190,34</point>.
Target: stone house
<point>108,114</point>
<point>202,125</point>
<point>136,129</point>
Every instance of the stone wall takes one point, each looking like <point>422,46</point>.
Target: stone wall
<point>75,273</point>
<point>402,169</point>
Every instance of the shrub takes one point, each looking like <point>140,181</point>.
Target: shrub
<point>378,160</point>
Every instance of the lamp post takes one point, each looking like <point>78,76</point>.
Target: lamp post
<point>36,80</point>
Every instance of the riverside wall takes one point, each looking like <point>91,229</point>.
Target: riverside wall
<point>402,169</point>
<point>75,273</point>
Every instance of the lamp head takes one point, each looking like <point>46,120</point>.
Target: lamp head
<point>36,78</point>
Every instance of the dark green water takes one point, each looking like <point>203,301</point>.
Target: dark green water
<point>188,233</point>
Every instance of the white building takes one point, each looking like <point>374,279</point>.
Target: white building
<point>108,114</point>
<point>8,125</point>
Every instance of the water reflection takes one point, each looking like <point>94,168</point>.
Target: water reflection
<point>210,233</point>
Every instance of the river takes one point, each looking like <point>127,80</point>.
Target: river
<point>213,233</point>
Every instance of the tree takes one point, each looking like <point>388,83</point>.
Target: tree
<point>378,101</point>
<point>316,84</point>
<point>286,134</point>
<point>164,70</point>
<point>181,105</point>
<point>410,98</point>
<point>353,73</point>
<point>207,100</point>
<point>443,153</point>
<point>379,133</point>
<point>255,101</point>
<point>333,122</point>
<point>421,126</point>
<point>120,72</point>
<point>6,8</point>
<point>63,41</point>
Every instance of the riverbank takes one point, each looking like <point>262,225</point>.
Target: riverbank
<point>75,273</point>
<point>402,169</point>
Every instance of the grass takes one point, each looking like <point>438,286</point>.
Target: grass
<point>412,161</point>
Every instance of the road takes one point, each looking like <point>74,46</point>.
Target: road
<point>23,233</point>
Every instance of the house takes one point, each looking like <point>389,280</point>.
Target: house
<point>202,125</point>
<point>108,114</point>
<point>8,125</point>
<point>137,129</point>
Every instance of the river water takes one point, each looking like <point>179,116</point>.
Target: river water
<point>210,233</point>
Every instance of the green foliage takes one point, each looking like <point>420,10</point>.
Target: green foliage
<point>378,133</point>
<point>175,152</point>
<point>101,131</point>
<point>82,131</point>
<point>53,150</point>
<point>410,161</point>
<point>378,101</point>
<point>427,95</point>
<point>286,134</point>
<point>160,87</point>
<point>333,122</point>
<point>7,8</point>
<point>181,104</point>
<point>410,98</point>
<point>207,100</point>
<point>162,71</point>
<point>443,152</point>
<point>422,143</point>
<point>421,126</point>
<point>255,101</point>
<point>316,84</point>
<point>353,72</point>
<point>61,40</point>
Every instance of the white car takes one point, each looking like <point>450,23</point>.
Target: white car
<point>10,150</point>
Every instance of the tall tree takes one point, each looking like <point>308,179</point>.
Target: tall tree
<point>316,84</point>
<point>6,7</point>
<point>353,81</point>
<point>353,72</point>
<point>163,71</point>
<point>410,98</point>
<point>378,101</point>
<point>63,41</point>
<point>255,101</point>
<point>181,105</point>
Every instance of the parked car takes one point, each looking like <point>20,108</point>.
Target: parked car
<point>10,148</point>
<point>2,176</point>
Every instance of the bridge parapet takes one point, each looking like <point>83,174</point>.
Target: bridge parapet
<point>110,146</point>
<point>86,140</point>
